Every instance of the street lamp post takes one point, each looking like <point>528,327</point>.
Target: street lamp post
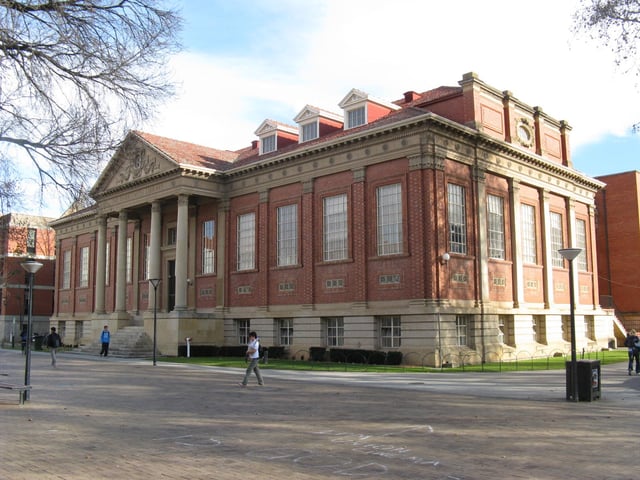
<point>154,283</point>
<point>31,267</point>
<point>570,254</point>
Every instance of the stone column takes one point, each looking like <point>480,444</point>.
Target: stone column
<point>516,240</point>
<point>154,248</point>
<point>592,259</point>
<point>221,254</point>
<point>121,263</point>
<point>547,253</point>
<point>482,243</point>
<point>101,263</point>
<point>182,240</point>
<point>572,242</point>
<point>135,266</point>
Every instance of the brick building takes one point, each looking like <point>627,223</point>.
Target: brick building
<point>618,244</point>
<point>428,225</point>
<point>23,237</point>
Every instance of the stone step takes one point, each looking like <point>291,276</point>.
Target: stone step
<point>130,342</point>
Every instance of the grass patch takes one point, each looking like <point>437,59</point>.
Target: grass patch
<point>525,364</point>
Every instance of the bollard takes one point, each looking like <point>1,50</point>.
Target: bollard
<point>188,340</point>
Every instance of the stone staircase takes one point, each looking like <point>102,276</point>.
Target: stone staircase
<point>130,342</point>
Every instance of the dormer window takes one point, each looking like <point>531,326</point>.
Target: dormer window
<point>268,144</point>
<point>275,135</point>
<point>356,117</point>
<point>309,131</point>
<point>314,122</point>
<point>361,109</point>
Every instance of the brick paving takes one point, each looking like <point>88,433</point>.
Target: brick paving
<point>94,418</point>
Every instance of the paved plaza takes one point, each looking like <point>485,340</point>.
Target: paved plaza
<point>95,418</point>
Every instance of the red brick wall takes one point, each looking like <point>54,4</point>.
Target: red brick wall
<point>618,239</point>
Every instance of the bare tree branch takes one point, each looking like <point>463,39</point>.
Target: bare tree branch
<point>75,75</point>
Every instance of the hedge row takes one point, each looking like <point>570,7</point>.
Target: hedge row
<point>316,354</point>
<point>227,351</point>
<point>348,355</point>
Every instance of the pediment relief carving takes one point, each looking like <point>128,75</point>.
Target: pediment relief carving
<point>133,163</point>
<point>139,163</point>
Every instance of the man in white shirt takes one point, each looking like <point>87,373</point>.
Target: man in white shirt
<point>253,354</point>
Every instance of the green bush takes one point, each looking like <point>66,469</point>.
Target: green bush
<point>317,354</point>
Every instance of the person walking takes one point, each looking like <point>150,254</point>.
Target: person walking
<point>632,343</point>
<point>53,341</point>
<point>105,339</point>
<point>253,355</point>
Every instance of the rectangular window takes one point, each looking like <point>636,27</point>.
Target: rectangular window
<point>107,263</point>
<point>581,242</point>
<point>495,219</point>
<point>129,259</point>
<point>356,117</point>
<point>84,267</point>
<point>566,328</point>
<point>334,331</point>
<point>285,331</point>
<point>208,252</point>
<point>31,240</point>
<point>462,334</point>
<point>389,199</point>
<point>528,218</point>
<point>309,131</point>
<point>589,327</point>
<point>147,257</point>
<point>242,330</point>
<point>390,331</point>
<point>246,241</point>
<point>66,269</point>
<point>506,335</point>
<point>555,220</point>
<point>335,231</point>
<point>287,235</point>
<point>457,218</point>
<point>172,235</point>
<point>540,329</point>
<point>268,144</point>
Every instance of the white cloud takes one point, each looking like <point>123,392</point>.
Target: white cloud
<point>387,48</point>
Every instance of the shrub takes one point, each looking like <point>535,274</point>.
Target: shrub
<point>317,354</point>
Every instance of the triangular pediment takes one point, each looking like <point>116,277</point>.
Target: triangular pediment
<point>353,97</point>
<point>307,113</point>
<point>271,126</point>
<point>135,161</point>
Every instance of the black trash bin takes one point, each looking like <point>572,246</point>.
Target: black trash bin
<point>37,341</point>
<point>588,380</point>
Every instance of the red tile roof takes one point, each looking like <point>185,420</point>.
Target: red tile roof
<point>206,157</point>
<point>190,153</point>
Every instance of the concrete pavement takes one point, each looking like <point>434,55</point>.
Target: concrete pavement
<point>94,418</point>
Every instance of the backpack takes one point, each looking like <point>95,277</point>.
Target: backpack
<point>631,341</point>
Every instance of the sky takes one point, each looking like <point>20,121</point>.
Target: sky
<point>248,60</point>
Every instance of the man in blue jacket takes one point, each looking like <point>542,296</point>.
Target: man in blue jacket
<point>105,338</point>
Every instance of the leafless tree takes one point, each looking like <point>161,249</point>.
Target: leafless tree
<point>616,23</point>
<point>75,75</point>
<point>9,187</point>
